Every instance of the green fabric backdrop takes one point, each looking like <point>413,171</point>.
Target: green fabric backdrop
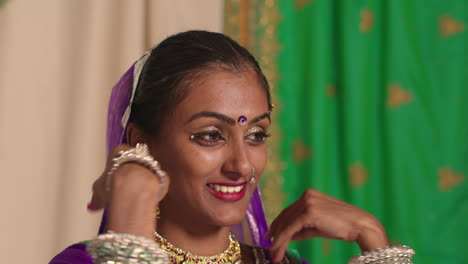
<point>370,108</point>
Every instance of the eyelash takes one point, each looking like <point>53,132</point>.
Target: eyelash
<point>203,138</point>
<point>263,137</point>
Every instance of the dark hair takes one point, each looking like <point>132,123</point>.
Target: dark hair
<point>178,60</point>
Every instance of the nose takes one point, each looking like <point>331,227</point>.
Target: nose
<point>237,164</point>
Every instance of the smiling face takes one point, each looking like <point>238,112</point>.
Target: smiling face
<point>208,154</point>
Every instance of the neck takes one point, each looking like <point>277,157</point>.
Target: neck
<point>187,234</point>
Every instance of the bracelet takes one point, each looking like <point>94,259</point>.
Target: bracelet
<point>119,248</point>
<point>139,154</point>
<point>386,255</point>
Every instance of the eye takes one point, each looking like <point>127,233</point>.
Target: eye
<point>208,138</point>
<point>257,138</point>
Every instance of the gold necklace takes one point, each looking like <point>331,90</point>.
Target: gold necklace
<point>232,255</point>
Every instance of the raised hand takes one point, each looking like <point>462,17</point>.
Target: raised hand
<point>318,215</point>
<point>132,198</point>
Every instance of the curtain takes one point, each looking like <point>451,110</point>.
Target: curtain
<point>58,62</point>
<point>369,108</point>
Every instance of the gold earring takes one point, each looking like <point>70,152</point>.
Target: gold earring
<point>157,213</point>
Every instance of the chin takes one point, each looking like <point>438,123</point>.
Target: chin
<point>228,214</point>
<point>228,219</point>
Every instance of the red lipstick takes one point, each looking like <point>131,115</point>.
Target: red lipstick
<point>228,197</point>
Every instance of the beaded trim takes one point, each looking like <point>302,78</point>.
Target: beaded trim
<point>387,255</point>
<point>125,249</point>
<point>231,255</point>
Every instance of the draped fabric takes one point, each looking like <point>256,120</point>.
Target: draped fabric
<point>369,108</point>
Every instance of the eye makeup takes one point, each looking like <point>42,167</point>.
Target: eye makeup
<point>254,129</point>
<point>213,136</point>
<point>208,136</point>
<point>256,135</point>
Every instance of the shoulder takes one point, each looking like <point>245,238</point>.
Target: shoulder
<point>260,255</point>
<point>74,254</point>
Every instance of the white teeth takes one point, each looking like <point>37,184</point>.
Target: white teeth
<point>225,189</point>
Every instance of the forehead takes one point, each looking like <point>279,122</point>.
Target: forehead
<point>228,93</point>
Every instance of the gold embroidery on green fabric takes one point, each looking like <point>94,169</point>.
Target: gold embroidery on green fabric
<point>398,96</point>
<point>231,18</point>
<point>367,20</point>
<point>300,151</point>
<point>254,25</point>
<point>300,4</point>
<point>330,90</point>
<point>449,179</point>
<point>448,26</point>
<point>358,174</point>
<point>267,53</point>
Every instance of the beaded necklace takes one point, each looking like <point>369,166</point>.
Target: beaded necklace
<point>232,255</point>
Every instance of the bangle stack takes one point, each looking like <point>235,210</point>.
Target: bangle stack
<point>387,255</point>
<point>139,154</point>
<point>117,248</point>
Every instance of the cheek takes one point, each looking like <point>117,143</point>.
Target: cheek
<point>187,163</point>
<point>259,158</point>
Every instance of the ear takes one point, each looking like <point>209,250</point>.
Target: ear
<point>134,135</point>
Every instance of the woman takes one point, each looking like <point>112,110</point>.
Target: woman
<point>201,105</point>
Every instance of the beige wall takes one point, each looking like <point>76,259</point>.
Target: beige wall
<point>58,61</point>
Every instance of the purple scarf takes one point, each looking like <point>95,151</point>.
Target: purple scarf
<point>119,100</point>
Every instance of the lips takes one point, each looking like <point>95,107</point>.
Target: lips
<point>229,192</point>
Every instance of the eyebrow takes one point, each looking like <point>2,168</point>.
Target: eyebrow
<point>260,117</point>
<point>225,118</point>
<point>221,117</point>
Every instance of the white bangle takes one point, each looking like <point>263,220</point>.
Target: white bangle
<point>139,154</point>
<point>387,255</point>
<point>125,249</point>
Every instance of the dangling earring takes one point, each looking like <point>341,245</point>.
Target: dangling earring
<point>252,179</point>
<point>157,214</point>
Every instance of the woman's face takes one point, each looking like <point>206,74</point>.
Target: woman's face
<point>208,155</point>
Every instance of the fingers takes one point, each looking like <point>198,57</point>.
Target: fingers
<point>283,229</point>
<point>311,194</point>
<point>297,222</point>
<point>96,203</point>
<point>298,207</point>
<point>278,222</point>
<point>164,188</point>
<point>318,215</point>
<point>98,199</point>
<point>307,233</point>
<point>100,196</point>
<point>282,239</point>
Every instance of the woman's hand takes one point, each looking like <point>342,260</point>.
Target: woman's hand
<point>133,197</point>
<point>318,215</point>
